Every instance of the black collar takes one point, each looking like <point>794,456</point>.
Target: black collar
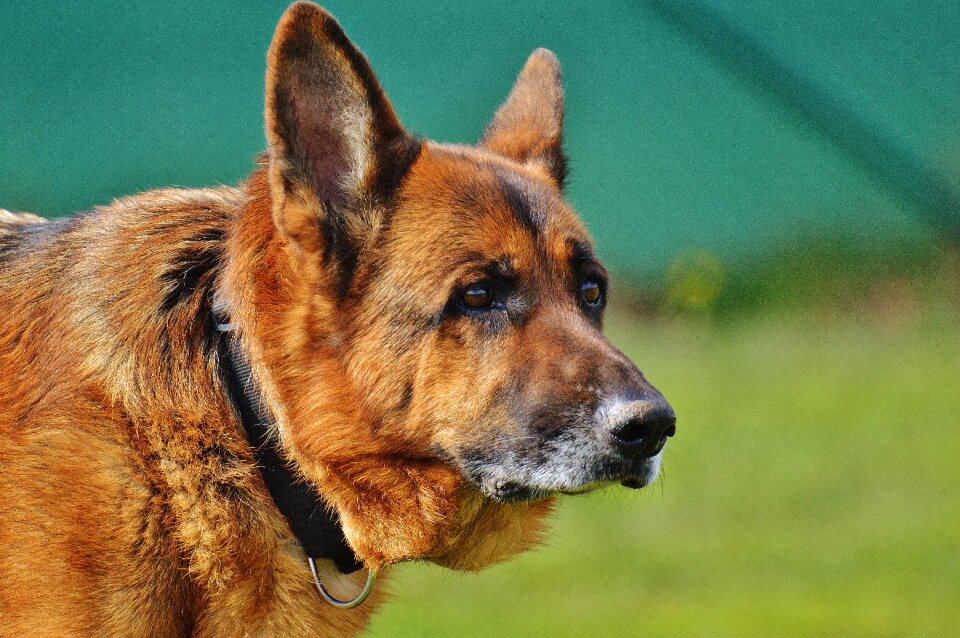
<point>315,524</point>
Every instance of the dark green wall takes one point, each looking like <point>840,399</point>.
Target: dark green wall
<point>669,151</point>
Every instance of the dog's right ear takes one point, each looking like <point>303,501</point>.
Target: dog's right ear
<point>336,147</point>
<point>528,127</point>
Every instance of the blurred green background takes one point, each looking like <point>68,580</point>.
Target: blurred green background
<point>798,311</point>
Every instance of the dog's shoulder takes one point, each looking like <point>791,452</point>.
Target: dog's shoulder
<point>129,282</point>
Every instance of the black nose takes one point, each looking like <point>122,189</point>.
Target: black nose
<point>645,427</point>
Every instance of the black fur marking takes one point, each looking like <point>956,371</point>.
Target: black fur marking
<point>559,165</point>
<point>394,165</point>
<point>406,398</point>
<point>520,203</point>
<point>209,336</point>
<point>191,266</point>
<point>435,320</point>
<point>580,252</point>
<point>338,251</point>
<point>9,243</point>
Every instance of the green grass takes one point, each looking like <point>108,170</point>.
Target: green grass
<point>813,489</point>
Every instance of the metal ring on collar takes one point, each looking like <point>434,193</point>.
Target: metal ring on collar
<point>336,602</point>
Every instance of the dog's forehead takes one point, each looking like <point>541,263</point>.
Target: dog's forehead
<point>462,201</point>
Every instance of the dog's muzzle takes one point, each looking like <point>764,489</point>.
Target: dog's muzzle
<point>618,442</point>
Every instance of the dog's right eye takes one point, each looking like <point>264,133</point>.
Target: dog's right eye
<point>477,297</point>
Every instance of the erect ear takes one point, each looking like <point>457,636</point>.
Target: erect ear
<point>337,149</point>
<point>528,127</point>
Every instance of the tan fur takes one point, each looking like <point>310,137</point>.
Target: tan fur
<point>130,502</point>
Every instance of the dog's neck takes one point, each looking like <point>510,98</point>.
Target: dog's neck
<point>315,524</point>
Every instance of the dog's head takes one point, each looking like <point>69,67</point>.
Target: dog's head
<point>435,342</point>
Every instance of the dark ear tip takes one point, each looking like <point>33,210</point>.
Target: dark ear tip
<point>304,19</point>
<point>305,11</point>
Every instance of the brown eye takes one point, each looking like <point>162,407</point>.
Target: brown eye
<point>590,292</point>
<point>477,297</point>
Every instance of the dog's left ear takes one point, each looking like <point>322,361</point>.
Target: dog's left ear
<point>337,149</point>
<point>528,127</point>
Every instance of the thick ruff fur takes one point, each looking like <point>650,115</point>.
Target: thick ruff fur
<point>130,503</point>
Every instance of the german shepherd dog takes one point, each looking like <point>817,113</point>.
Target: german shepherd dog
<point>420,322</point>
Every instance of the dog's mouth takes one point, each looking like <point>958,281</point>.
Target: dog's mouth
<point>506,490</point>
<point>578,460</point>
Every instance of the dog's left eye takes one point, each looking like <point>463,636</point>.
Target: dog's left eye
<point>477,297</point>
<point>591,293</point>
